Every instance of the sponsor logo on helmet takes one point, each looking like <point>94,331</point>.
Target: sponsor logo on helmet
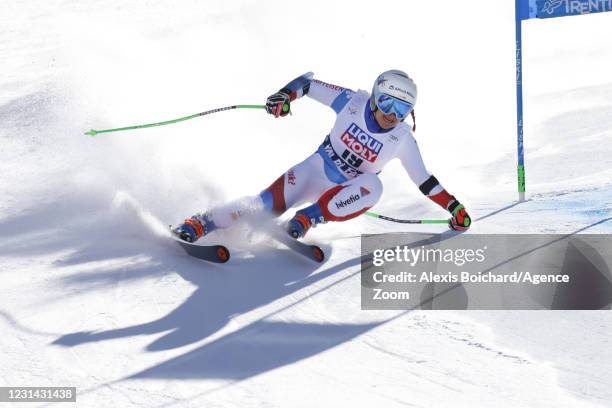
<point>360,143</point>
<point>348,201</point>
<point>397,88</point>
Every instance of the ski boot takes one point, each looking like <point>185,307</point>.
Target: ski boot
<point>305,218</point>
<point>195,228</point>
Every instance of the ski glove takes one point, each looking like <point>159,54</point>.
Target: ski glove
<point>461,220</point>
<point>278,104</point>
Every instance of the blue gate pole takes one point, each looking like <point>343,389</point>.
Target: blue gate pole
<point>519,101</point>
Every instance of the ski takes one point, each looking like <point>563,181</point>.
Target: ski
<point>220,254</point>
<point>209,253</point>
<point>312,252</point>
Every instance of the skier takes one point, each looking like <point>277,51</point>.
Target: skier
<point>340,179</point>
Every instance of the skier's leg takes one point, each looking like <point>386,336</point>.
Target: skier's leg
<point>342,202</point>
<point>299,184</point>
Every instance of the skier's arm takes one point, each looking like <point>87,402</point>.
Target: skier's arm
<point>429,185</point>
<point>333,96</point>
<point>279,103</point>
<point>299,87</point>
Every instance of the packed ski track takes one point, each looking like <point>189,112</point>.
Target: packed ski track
<point>95,295</point>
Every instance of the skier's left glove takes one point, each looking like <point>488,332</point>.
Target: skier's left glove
<point>278,104</point>
<point>461,220</point>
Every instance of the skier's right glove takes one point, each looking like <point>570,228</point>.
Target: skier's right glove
<point>278,104</point>
<point>461,220</point>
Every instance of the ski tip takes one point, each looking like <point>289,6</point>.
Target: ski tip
<point>210,253</point>
<point>92,132</point>
<point>317,253</point>
<point>223,254</point>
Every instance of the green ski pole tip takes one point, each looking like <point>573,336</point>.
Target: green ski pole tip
<point>91,132</point>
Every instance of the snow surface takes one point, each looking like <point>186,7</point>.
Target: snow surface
<point>93,296</point>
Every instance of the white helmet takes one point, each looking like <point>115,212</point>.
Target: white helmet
<point>394,92</point>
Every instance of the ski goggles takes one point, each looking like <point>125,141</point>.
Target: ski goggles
<point>388,105</point>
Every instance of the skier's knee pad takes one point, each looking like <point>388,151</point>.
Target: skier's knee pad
<point>351,199</point>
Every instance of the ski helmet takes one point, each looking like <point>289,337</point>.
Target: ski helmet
<point>394,92</point>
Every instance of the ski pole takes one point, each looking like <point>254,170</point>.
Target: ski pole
<point>93,132</point>
<point>383,217</point>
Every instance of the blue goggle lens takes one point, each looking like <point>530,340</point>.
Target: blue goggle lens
<point>388,105</point>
